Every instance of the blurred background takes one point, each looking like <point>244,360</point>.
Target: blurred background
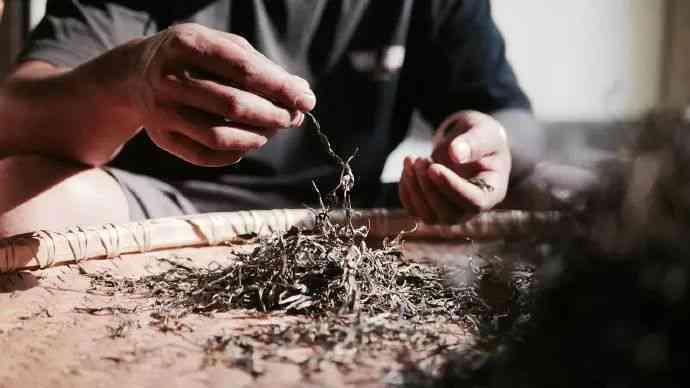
<point>592,68</point>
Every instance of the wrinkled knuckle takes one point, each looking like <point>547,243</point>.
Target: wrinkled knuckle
<point>239,40</point>
<point>225,142</point>
<point>246,68</point>
<point>183,37</point>
<point>178,42</point>
<point>195,27</point>
<point>235,107</point>
<point>285,88</point>
<point>281,120</point>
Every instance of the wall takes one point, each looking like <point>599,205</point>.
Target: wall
<point>37,8</point>
<point>586,60</point>
<point>676,86</point>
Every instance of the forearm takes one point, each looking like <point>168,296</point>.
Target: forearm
<point>84,114</point>
<point>527,140</point>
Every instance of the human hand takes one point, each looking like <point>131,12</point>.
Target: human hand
<point>468,170</point>
<point>209,97</point>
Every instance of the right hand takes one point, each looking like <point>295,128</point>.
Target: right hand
<point>209,97</point>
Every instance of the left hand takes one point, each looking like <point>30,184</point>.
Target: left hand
<point>468,171</point>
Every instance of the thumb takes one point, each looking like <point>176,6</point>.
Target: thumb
<point>475,144</point>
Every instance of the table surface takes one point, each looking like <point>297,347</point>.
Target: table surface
<point>45,342</point>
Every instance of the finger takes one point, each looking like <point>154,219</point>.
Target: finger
<point>249,71</point>
<point>306,101</point>
<point>442,210</point>
<point>407,188</point>
<point>191,151</point>
<point>460,191</point>
<point>404,194</point>
<point>229,102</point>
<point>220,135</point>
<point>495,169</point>
<point>459,122</point>
<point>416,196</point>
<point>477,143</point>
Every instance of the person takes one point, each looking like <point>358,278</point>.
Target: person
<point>121,110</point>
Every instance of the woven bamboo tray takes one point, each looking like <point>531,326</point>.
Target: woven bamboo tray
<point>43,249</point>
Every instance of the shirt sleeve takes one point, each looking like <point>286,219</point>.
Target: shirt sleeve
<point>466,65</point>
<point>74,31</point>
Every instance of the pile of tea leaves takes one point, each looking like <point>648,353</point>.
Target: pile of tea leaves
<point>328,269</point>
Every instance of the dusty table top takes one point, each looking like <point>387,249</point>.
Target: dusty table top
<point>46,341</point>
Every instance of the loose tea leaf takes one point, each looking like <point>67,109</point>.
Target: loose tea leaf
<point>481,183</point>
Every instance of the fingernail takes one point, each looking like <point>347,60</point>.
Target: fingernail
<point>297,118</point>
<point>460,151</point>
<point>307,101</point>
